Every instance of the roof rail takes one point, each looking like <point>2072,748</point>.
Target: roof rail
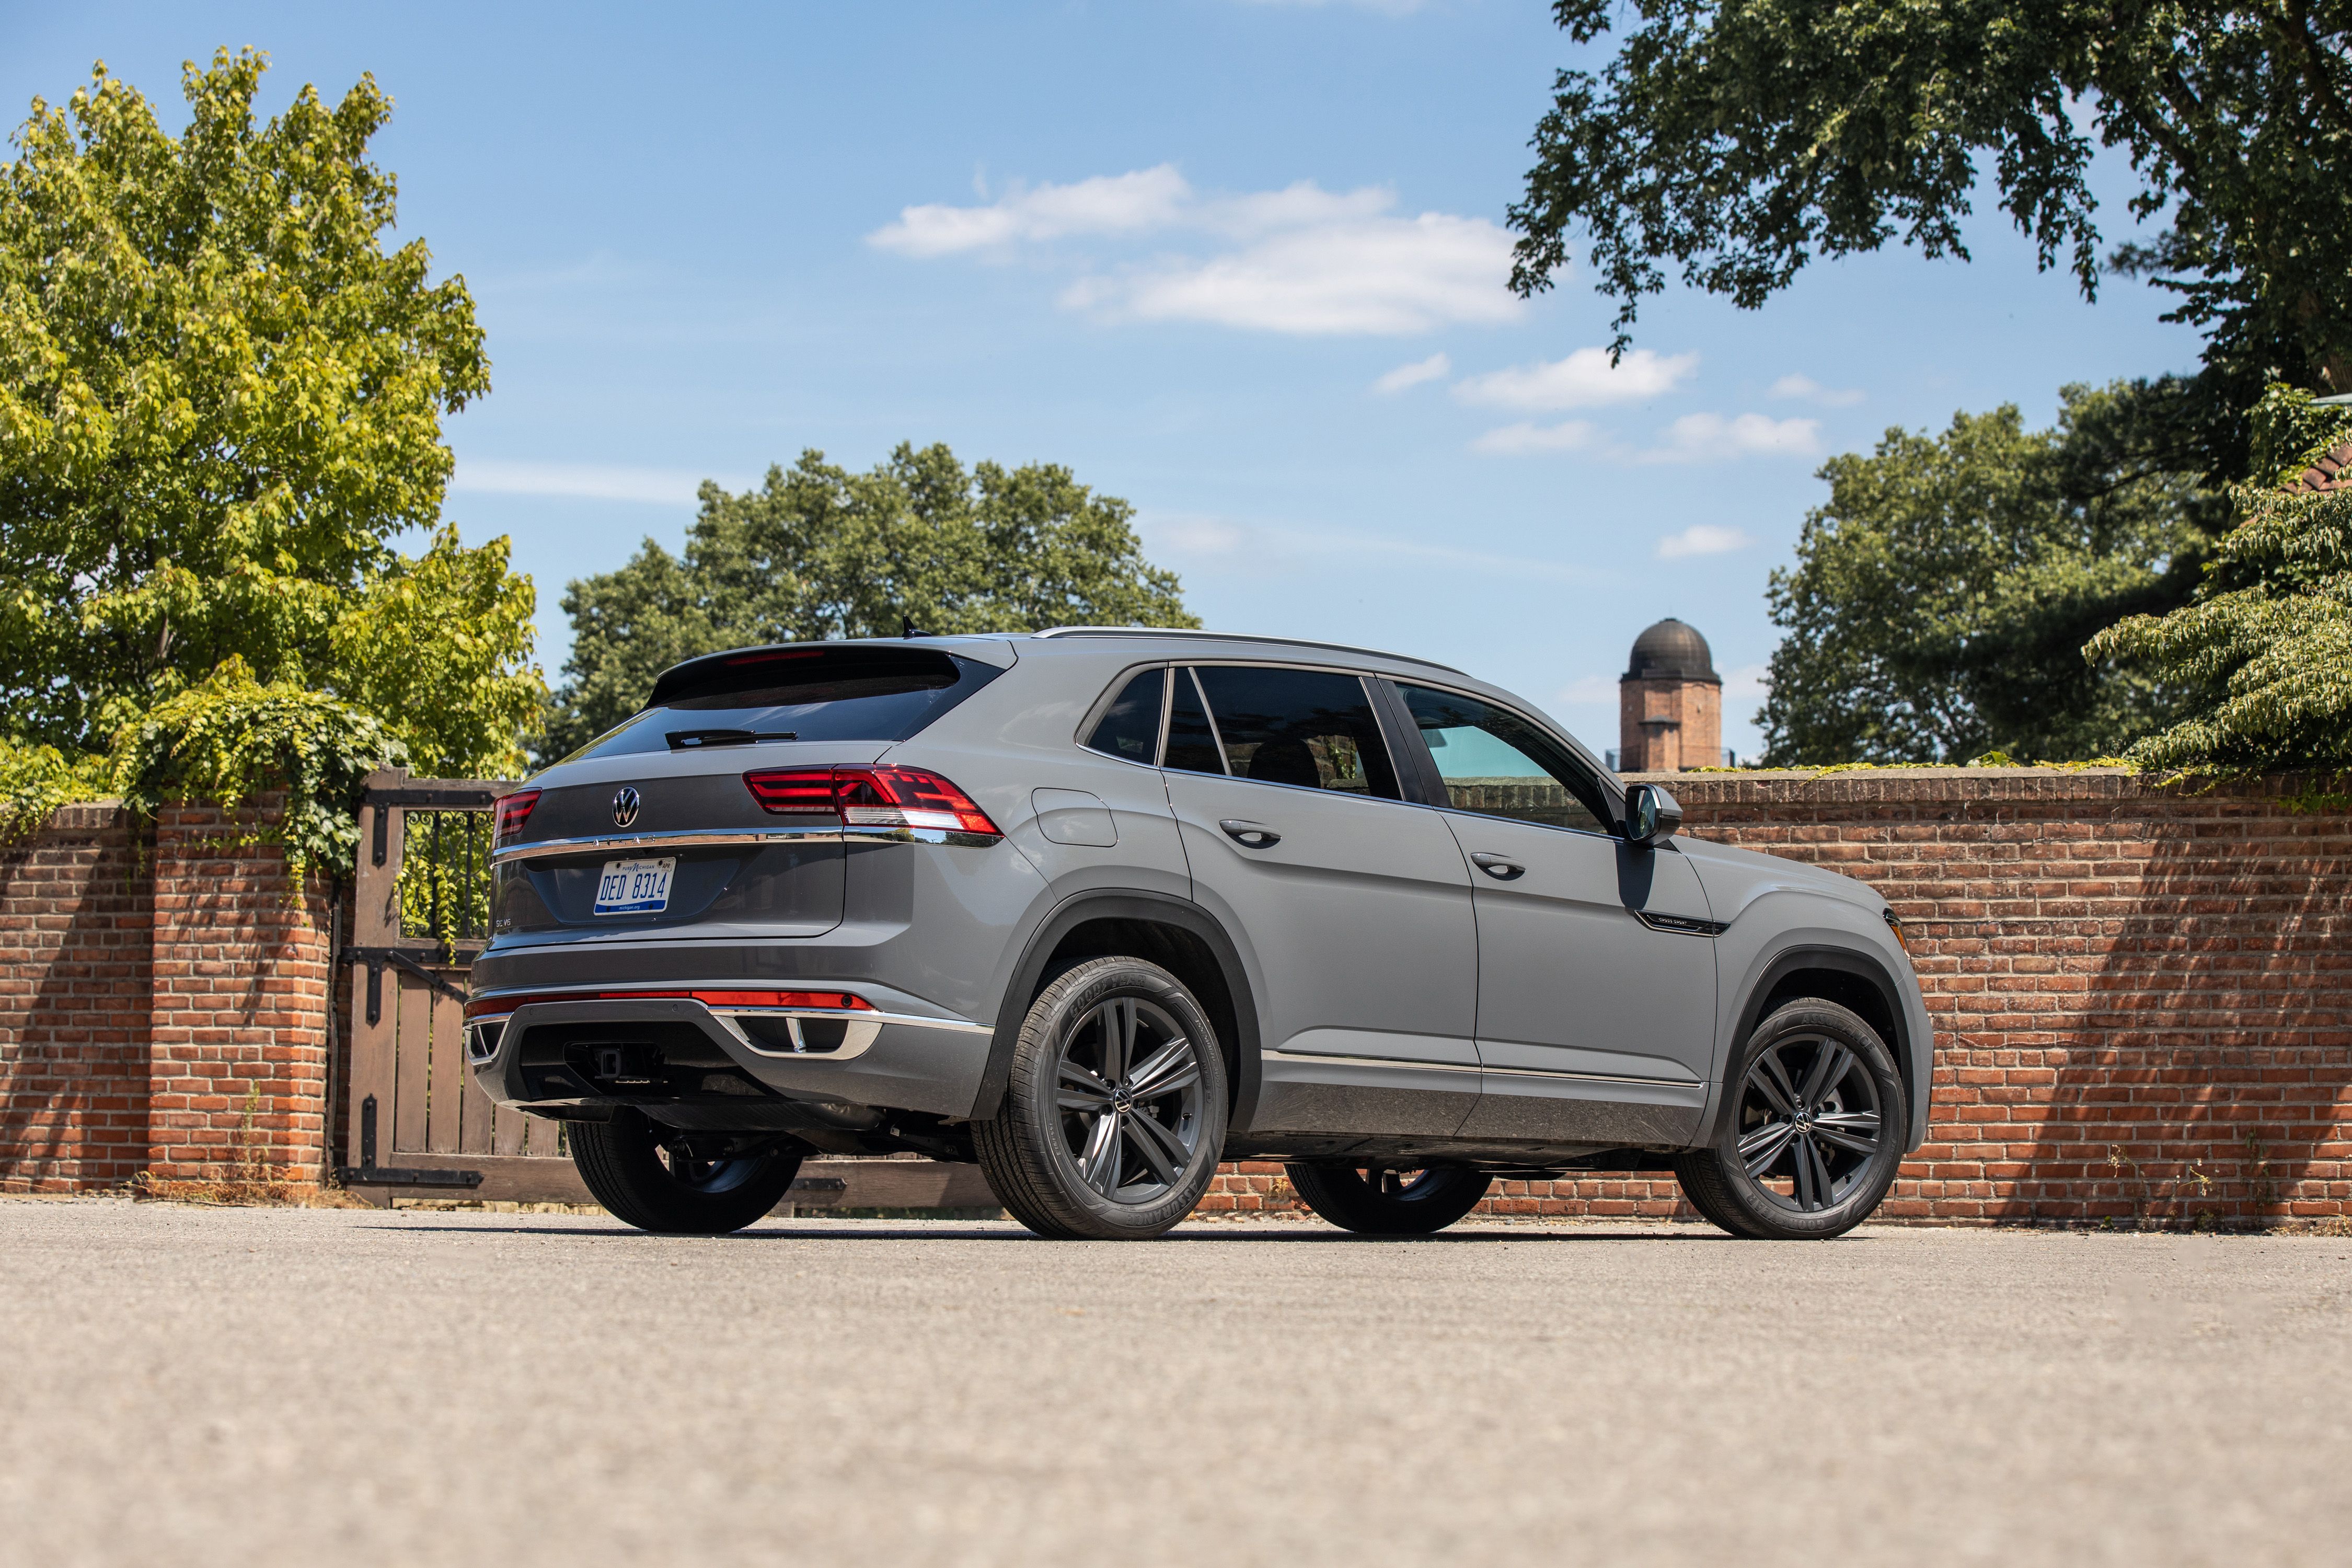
<point>1240,636</point>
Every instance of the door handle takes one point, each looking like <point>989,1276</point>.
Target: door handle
<point>1250,835</point>
<point>1502,867</point>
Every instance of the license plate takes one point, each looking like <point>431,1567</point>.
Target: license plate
<point>634,887</point>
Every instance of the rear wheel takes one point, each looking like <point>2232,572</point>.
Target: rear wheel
<point>1814,1136</point>
<point>1115,1114</point>
<point>705,1184</point>
<point>1388,1203</point>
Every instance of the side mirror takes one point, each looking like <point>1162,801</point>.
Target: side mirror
<point>1651,815</point>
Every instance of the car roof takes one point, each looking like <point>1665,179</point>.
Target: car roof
<point>1186,634</point>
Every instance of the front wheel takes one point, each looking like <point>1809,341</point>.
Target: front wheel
<point>1814,1133</point>
<point>1115,1114</point>
<point>704,1183</point>
<point>1388,1203</point>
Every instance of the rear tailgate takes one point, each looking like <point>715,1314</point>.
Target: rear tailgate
<point>696,852</point>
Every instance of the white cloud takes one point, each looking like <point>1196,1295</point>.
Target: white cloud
<point>1811,390</point>
<point>1703,539</point>
<point>1711,437</point>
<point>593,482</point>
<point>1109,203</point>
<point>1517,440</point>
<point>1375,276</point>
<point>1585,379</point>
<point>1308,260</point>
<point>1436,367</point>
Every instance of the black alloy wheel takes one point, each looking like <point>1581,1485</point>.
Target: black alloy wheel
<point>1388,1203</point>
<point>677,1183</point>
<point>1814,1137</point>
<point>1115,1115</point>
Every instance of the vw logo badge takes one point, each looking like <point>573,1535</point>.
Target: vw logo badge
<point>625,806</point>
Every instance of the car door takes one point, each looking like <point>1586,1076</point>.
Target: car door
<point>1596,988</point>
<point>1356,906</point>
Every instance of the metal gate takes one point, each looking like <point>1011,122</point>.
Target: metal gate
<point>417,1124</point>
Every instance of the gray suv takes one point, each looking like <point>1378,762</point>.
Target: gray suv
<point>1099,908</point>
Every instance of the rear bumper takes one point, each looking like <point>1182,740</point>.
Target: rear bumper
<point>533,1057</point>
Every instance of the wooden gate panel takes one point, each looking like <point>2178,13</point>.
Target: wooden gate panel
<point>413,1075</point>
<point>445,1113</point>
<point>436,1133</point>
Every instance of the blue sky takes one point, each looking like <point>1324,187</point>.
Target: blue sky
<point>1240,262</point>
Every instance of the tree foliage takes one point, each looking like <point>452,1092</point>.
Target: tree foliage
<point>1939,600</point>
<point>2263,653</point>
<point>1736,140</point>
<point>820,552</point>
<point>230,737</point>
<point>220,402</point>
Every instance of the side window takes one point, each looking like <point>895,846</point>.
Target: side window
<point>1129,727</point>
<point>1309,728</point>
<point>1496,763</point>
<point>1191,744</point>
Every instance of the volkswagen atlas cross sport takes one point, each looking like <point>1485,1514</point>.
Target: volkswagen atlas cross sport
<point>1098,908</point>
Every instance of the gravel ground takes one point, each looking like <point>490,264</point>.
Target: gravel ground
<point>199,1387</point>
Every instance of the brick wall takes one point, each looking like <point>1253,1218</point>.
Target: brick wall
<point>237,1065</point>
<point>76,912</point>
<point>162,1004</point>
<point>2142,993</point>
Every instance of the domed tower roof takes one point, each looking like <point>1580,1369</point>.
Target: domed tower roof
<point>1671,650</point>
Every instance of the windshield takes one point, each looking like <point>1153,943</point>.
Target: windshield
<point>850,692</point>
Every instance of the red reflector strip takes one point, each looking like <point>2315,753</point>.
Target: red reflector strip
<point>821,1001</point>
<point>514,810</point>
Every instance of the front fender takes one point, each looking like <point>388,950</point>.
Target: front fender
<point>1784,930</point>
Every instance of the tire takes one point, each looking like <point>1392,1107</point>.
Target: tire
<point>1114,1117</point>
<point>668,1191</point>
<point>1388,1203</point>
<point>1818,1106</point>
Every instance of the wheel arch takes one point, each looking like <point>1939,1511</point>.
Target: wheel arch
<point>1857,981</point>
<point>1181,937</point>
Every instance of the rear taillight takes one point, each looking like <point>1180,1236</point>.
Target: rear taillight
<point>794,789</point>
<point>872,798</point>
<point>514,810</point>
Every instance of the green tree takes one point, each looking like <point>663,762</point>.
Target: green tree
<point>220,402</point>
<point>1939,600</point>
<point>820,552</point>
<point>1736,140</point>
<point>2264,652</point>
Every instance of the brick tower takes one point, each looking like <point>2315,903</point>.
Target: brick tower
<point>1669,703</point>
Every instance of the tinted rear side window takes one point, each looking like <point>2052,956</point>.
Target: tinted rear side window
<point>1309,728</point>
<point>1191,745</point>
<point>1129,727</point>
<point>850,692</point>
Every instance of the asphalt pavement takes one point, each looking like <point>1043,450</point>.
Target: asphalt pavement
<point>214,1386</point>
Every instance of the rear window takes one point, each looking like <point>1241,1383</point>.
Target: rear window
<point>854,691</point>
